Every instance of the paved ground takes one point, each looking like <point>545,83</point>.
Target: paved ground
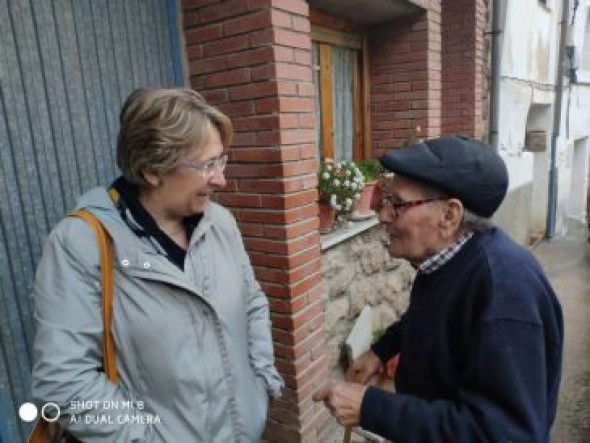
<point>567,263</point>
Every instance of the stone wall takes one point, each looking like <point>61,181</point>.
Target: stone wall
<point>359,272</point>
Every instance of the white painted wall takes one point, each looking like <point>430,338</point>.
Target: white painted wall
<point>573,157</point>
<point>576,204</point>
<point>529,57</point>
<point>530,37</point>
<point>573,146</point>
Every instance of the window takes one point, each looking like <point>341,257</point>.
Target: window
<point>341,102</point>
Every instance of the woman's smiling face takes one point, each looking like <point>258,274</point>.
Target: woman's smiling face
<point>184,190</point>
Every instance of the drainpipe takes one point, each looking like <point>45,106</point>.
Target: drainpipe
<point>495,80</point>
<point>552,197</point>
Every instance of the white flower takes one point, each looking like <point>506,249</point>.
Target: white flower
<point>341,183</point>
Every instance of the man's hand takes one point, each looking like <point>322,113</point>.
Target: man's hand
<point>363,368</point>
<point>343,400</point>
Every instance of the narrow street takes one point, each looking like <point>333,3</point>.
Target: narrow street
<point>567,263</point>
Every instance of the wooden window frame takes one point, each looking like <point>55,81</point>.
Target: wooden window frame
<point>328,31</point>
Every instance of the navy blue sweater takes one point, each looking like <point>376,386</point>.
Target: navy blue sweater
<point>480,352</point>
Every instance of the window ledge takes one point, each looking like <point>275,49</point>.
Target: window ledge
<point>330,240</point>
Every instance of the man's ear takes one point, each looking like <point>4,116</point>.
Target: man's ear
<point>452,216</point>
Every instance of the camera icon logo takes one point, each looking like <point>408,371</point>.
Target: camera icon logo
<point>50,412</point>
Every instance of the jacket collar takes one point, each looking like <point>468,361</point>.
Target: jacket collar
<point>99,202</point>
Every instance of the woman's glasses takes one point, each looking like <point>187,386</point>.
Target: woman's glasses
<point>207,168</point>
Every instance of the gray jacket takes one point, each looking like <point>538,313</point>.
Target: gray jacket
<point>194,350</point>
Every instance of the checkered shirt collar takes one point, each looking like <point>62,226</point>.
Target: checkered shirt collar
<point>435,262</point>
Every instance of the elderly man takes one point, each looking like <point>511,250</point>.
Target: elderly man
<point>481,343</point>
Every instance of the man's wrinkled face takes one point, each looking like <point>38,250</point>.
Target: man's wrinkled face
<point>411,214</point>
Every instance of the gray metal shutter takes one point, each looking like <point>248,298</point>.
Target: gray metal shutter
<point>66,66</point>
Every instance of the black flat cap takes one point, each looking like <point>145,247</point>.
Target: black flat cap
<point>461,167</point>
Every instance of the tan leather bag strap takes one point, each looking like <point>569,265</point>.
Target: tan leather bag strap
<point>45,432</point>
<point>106,283</point>
<point>347,435</point>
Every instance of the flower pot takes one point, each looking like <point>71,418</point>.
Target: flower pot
<point>326,215</point>
<point>376,198</point>
<point>363,205</point>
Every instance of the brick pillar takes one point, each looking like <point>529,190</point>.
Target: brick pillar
<point>463,26</point>
<point>252,59</point>
<point>406,79</point>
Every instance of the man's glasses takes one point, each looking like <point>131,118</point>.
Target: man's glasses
<point>207,168</point>
<point>396,205</point>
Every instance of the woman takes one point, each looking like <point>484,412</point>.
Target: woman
<point>190,323</point>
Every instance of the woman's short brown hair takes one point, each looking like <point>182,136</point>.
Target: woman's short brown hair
<point>161,127</point>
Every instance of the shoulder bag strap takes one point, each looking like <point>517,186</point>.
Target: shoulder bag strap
<point>106,284</point>
<point>44,431</point>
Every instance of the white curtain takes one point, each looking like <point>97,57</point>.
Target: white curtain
<point>342,66</point>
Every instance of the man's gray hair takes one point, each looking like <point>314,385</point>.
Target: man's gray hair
<point>474,222</point>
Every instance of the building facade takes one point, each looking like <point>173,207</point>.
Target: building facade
<point>543,124</point>
<point>342,79</point>
<point>301,80</point>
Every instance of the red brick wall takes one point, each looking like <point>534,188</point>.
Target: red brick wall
<point>406,79</point>
<point>463,26</point>
<point>252,59</point>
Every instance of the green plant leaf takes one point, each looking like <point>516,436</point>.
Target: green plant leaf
<point>371,168</point>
